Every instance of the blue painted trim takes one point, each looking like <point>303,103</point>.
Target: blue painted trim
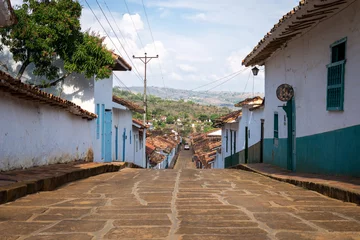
<point>102,132</point>
<point>98,121</point>
<point>130,136</point>
<point>124,145</point>
<point>108,136</point>
<point>116,143</point>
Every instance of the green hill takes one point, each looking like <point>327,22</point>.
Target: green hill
<point>188,112</point>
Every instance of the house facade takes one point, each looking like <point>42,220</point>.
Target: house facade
<point>165,149</point>
<point>40,128</point>
<point>315,50</point>
<point>241,134</point>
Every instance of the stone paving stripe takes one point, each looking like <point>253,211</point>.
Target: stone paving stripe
<point>83,226</point>
<point>138,233</point>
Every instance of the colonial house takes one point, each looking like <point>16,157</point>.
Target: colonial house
<point>40,128</point>
<point>153,157</point>
<point>229,125</point>
<point>127,133</point>
<point>312,118</point>
<point>166,147</point>
<point>206,147</point>
<point>46,135</point>
<point>241,134</point>
<point>251,130</point>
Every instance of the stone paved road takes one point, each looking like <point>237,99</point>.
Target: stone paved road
<point>179,204</point>
<point>184,160</point>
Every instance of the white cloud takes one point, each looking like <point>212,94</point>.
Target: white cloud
<point>235,59</point>
<point>197,17</point>
<point>186,68</point>
<point>176,76</point>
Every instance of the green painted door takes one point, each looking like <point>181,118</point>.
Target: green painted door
<point>290,113</point>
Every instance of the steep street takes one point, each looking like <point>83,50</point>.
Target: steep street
<point>185,160</point>
<point>179,204</point>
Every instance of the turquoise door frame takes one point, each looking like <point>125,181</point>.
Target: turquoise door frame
<point>124,144</point>
<point>108,135</point>
<point>289,108</point>
<point>116,143</point>
<point>102,132</point>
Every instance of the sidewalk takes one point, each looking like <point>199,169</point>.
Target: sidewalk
<point>18,183</point>
<point>343,188</point>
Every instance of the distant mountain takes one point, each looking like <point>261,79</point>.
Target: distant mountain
<point>219,98</point>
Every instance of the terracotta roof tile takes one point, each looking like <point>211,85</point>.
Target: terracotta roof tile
<point>228,118</point>
<point>32,93</point>
<point>149,148</point>
<point>138,122</point>
<point>250,101</point>
<point>303,17</point>
<point>120,63</point>
<point>130,105</point>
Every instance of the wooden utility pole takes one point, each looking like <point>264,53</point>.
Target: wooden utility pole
<point>145,60</point>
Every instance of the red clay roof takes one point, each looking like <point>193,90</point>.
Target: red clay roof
<point>149,148</point>
<point>300,19</point>
<point>228,118</point>
<point>120,63</point>
<point>130,105</point>
<point>250,101</point>
<point>139,122</point>
<point>32,93</point>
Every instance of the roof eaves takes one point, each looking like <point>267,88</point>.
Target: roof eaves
<point>28,92</point>
<point>304,16</point>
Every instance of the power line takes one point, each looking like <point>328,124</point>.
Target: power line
<point>227,80</point>
<point>147,19</point>
<point>218,79</point>
<point>127,7</point>
<point>139,76</point>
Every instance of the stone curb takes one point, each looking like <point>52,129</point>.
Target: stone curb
<point>333,192</point>
<point>20,189</point>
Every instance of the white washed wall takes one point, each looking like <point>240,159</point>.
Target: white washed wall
<point>123,120</point>
<point>35,134</point>
<point>303,65</point>
<point>254,125</point>
<point>138,154</point>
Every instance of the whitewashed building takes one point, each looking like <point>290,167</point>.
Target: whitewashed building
<point>241,134</point>
<point>39,128</point>
<point>47,129</point>
<point>251,130</point>
<point>315,49</point>
<point>229,124</point>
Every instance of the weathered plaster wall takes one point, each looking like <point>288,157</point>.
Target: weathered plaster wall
<point>35,134</point>
<point>123,120</point>
<point>138,151</point>
<point>303,65</point>
<point>325,140</point>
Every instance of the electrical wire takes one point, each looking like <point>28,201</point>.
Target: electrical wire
<point>139,76</point>
<point>147,19</point>
<point>127,7</point>
<point>227,80</point>
<point>218,79</point>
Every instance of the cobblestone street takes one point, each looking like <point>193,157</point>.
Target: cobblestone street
<point>179,204</point>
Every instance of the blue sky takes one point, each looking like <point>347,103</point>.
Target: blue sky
<point>198,41</point>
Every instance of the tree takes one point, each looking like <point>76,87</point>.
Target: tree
<point>170,120</point>
<point>203,117</point>
<point>214,116</point>
<point>49,31</point>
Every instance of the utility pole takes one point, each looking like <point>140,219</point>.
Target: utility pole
<point>145,60</point>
